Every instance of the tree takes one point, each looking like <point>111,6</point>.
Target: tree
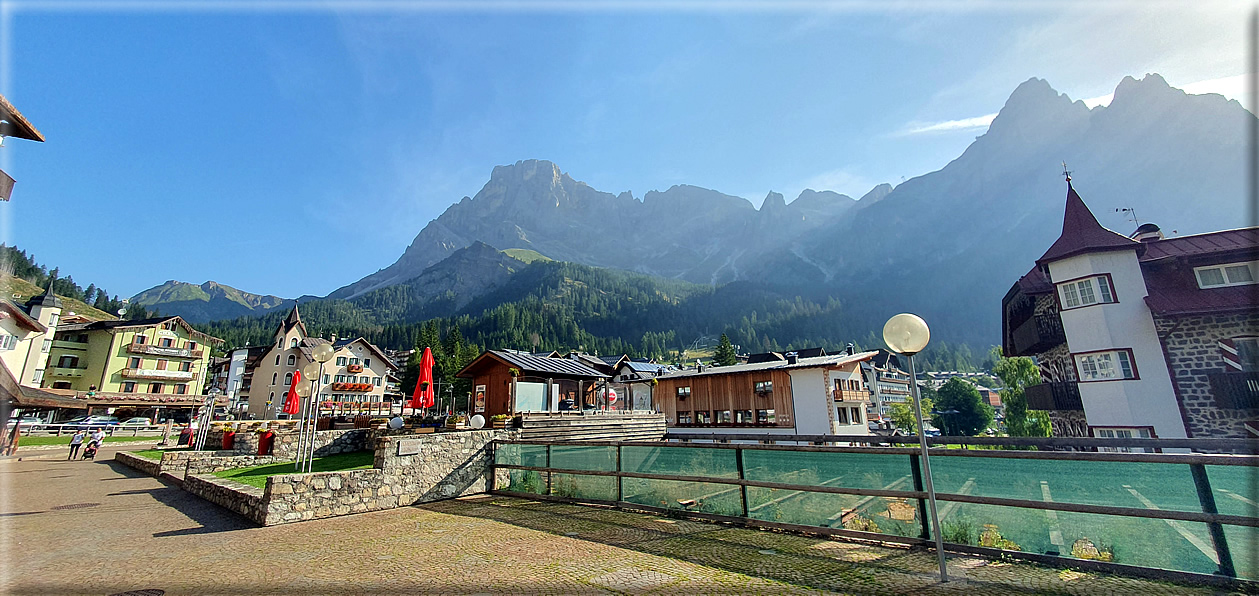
<point>725,356</point>
<point>1017,374</point>
<point>902,415</point>
<point>967,414</point>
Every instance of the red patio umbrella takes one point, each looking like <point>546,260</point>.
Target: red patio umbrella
<point>292,403</point>
<point>423,395</point>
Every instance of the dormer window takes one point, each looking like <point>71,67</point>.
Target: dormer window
<point>293,343</point>
<point>1077,293</point>
<point>1230,274</point>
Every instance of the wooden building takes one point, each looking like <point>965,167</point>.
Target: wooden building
<point>818,395</point>
<point>507,382</point>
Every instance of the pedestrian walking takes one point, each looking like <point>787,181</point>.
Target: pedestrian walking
<point>94,442</point>
<point>75,442</point>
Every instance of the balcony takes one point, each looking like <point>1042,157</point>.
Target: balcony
<point>69,344</point>
<point>1054,396</point>
<point>1236,390</point>
<point>1036,335</point>
<point>160,375</point>
<point>357,387</point>
<point>67,371</point>
<point>163,351</point>
<point>847,395</point>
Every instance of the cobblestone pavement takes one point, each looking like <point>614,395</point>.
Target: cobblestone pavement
<point>101,528</point>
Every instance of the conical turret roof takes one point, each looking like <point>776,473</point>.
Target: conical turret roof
<point>1081,233</point>
<point>46,300</point>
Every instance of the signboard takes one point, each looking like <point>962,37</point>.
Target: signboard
<point>6,186</point>
<point>409,447</point>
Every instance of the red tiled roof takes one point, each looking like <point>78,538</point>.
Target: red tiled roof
<point>1179,300</point>
<point>1081,233</point>
<point>1241,240</point>
<point>1035,282</point>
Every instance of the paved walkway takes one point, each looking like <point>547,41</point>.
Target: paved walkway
<point>100,528</point>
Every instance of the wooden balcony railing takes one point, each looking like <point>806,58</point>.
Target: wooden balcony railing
<point>160,375</point>
<point>848,395</point>
<point>1236,390</point>
<point>135,348</point>
<point>1037,334</point>
<point>1054,396</point>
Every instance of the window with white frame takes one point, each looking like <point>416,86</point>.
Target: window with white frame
<point>1122,433</point>
<point>8,342</point>
<point>1086,292</point>
<point>1113,365</point>
<point>1229,274</point>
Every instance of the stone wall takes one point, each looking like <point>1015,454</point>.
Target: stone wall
<point>152,467</point>
<point>327,442</point>
<point>1190,343</point>
<point>408,470</point>
<point>210,465</point>
<point>246,500</point>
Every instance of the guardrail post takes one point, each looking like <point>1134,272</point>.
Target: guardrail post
<point>620,490</point>
<point>548,469</point>
<point>915,468</point>
<point>743,489</point>
<point>1218,540</point>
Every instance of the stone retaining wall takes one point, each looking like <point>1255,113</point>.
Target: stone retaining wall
<point>408,470</point>
<point>210,465</point>
<point>152,467</point>
<point>246,500</point>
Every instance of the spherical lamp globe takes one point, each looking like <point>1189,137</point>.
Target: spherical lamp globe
<point>477,421</point>
<point>323,352</point>
<point>906,334</point>
<point>302,389</point>
<point>310,371</point>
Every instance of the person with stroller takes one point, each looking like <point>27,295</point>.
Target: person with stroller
<point>94,443</point>
<point>75,443</point>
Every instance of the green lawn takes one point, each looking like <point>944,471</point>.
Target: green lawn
<point>153,454</point>
<point>257,475</point>
<point>26,441</point>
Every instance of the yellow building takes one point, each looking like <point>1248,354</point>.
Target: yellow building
<point>162,355</point>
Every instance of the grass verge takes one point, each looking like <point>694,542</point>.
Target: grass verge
<point>257,475</point>
<point>65,440</point>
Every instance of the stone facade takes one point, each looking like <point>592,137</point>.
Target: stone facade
<point>210,465</point>
<point>1189,343</point>
<point>408,470</point>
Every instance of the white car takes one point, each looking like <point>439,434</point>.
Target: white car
<point>27,423</point>
<point>137,421</point>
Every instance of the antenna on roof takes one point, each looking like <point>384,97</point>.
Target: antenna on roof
<point>1065,171</point>
<point>1129,213</point>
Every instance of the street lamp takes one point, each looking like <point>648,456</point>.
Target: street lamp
<point>310,410</point>
<point>907,334</point>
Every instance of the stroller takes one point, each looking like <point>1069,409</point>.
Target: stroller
<point>90,451</point>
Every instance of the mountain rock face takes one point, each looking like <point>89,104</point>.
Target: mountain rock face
<point>209,301</point>
<point>946,245</point>
<point>686,231</point>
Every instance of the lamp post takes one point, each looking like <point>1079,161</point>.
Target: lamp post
<point>907,334</point>
<point>310,412</point>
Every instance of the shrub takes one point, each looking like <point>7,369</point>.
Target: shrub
<point>959,530</point>
<point>991,537</point>
<point>861,524</point>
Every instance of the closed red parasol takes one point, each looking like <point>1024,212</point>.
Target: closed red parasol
<point>292,403</point>
<point>423,396</point>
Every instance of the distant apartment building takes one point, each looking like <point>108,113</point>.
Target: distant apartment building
<point>26,335</point>
<point>355,377</point>
<point>891,384</point>
<point>819,395</point>
<point>162,355</point>
<point>1141,336</point>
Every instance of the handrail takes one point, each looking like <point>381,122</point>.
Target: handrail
<point>1208,514</point>
<point>1211,444</point>
<point>1213,459</point>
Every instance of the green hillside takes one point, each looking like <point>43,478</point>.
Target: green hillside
<point>526,255</point>
<point>19,290</point>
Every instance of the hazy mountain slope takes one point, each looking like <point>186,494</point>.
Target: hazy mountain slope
<point>206,302</point>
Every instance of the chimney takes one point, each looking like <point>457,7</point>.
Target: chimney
<point>851,349</point>
<point>334,338</point>
<point>791,357</point>
<point>699,368</point>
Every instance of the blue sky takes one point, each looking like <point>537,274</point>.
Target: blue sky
<point>290,148</point>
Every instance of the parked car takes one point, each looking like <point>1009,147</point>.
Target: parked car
<point>26,423</point>
<point>95,422</point>
<point>137,421</point>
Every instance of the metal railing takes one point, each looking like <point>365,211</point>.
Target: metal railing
<point>550,460</point>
